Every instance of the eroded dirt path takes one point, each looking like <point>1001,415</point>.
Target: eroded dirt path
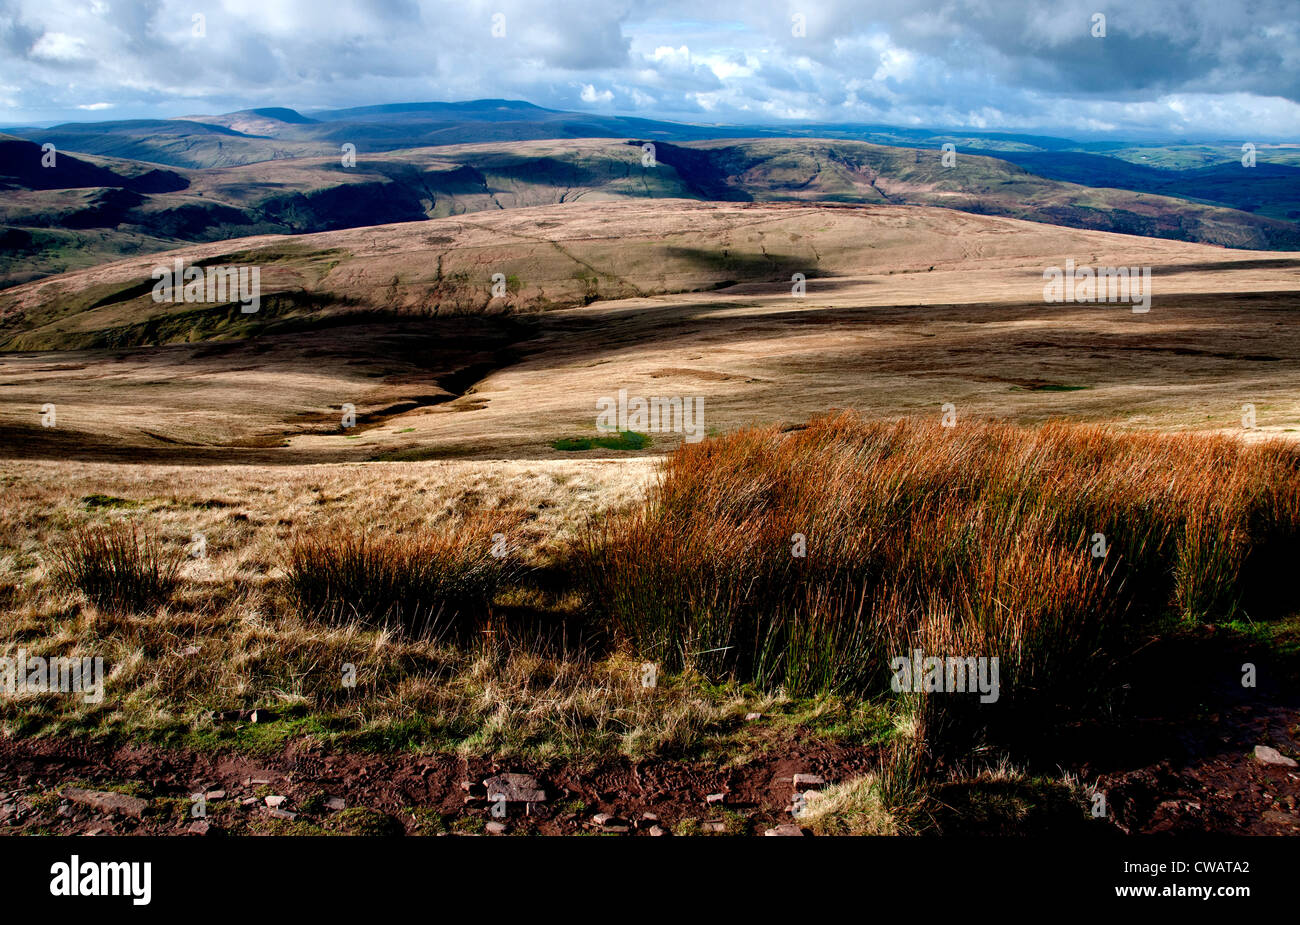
<point>1213,784</point>
<point>392,794</point>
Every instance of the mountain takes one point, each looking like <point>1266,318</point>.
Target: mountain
<point>1272,190</point>
<point>93,209</point>
<point>256,135</point>
<point>139,186</point>
<point>844,171</point>
<point>472,110</point>
<point>253,135</point>
<point>1209,174</point>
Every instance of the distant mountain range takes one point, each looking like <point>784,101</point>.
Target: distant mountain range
<point>127,187</point>
<point>253,135</point>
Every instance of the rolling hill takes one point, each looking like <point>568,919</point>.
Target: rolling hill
<point>92,209</point>
<point>906,307</point>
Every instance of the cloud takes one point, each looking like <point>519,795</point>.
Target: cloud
<point>591,95</point>
<point>58,46</point>
<point>1163,68</point>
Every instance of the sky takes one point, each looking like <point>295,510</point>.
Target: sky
<point>1163,69</point>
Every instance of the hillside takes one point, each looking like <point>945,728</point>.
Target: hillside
<point>93,209</point>
<point>842,171</point>
<point>906,308</point>
<point>273,133</point>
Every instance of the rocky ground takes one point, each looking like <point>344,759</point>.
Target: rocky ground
<point>1217,783</point>
<point>1231,789</point>
<point>53,788</point>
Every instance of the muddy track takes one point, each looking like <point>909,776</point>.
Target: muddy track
<point>1161,773</point>
<point>404,794</point>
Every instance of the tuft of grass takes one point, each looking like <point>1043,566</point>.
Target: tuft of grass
<point>427,581</point>
<point>358,820</point>
<point>118,567</point>
<point>855,807</point>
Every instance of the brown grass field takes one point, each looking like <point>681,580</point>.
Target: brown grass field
<point>906,308</point>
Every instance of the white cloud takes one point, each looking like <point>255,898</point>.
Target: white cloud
<point>672,57</point>
<point>591,95</point>
<point>895,63</point>
<point>59,46</point>
<point>639,100</point>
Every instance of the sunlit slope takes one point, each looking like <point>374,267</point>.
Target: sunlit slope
<point>89,209</point>
<point>902,310</point>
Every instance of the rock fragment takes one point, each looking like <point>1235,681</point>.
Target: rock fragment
<point>808,782</point>
<point>107,802</point>
<point>1266,755</point>
<point>515,788</point>
<point>607,822</point>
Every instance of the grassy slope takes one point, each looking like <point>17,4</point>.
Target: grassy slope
<point>552,258</point>
<point>309,192</point>
<point>857,172</point>
<point>906,308</point>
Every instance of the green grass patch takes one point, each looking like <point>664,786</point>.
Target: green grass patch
<point>109,501</point>
<point>622,440</point>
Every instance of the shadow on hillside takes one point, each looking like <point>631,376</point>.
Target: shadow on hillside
<point>428,350</point>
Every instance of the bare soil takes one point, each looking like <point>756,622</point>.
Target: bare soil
<point>404,794</point>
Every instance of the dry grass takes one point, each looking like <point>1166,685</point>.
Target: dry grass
<point>434,581</point>
<point>906,308</point>
<point>117,567</point>
<point>170,671</point>
<point>232,637</point>
<point>974,541</point>
<point>854,807</point>
<point>248,514</point>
